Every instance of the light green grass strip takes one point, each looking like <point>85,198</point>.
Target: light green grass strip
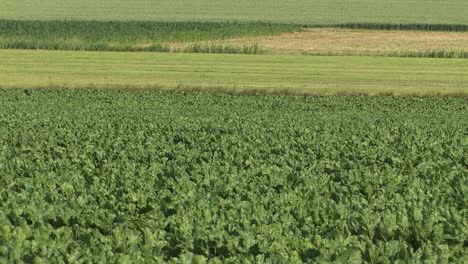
<point>296,11</point>
<point>238,73</point>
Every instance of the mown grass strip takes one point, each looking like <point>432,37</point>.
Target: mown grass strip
<point>284,74</point>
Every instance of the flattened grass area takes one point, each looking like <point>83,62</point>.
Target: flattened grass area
<point>291,11</point>
<point>234,73</point>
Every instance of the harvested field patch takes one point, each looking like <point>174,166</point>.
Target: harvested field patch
<point>332,41</point>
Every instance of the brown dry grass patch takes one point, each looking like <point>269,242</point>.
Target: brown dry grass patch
<point>351,41</point>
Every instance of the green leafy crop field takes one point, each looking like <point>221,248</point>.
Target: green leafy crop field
<point>100,176</point>
<point>291,11</point>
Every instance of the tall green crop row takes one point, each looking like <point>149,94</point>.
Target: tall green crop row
<point>124,36</point>
<point>95,176</point>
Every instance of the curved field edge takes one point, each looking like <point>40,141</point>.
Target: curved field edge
<point>285,74</point>
<point>174,177</point>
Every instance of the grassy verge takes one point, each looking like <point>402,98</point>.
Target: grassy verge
<point>415,26</point>
<point>223,49</point>
<point>283,74</point>
<point>442,54</point>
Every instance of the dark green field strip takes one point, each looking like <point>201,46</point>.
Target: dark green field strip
<point>139,177</point>
<point>237,73</point>
<point>124,36</point>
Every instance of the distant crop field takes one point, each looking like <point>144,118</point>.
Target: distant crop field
<point>139,177</point>
<point>292,11</point>
<point>290,74</point>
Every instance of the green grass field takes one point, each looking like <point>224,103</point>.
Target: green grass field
<point>150,177</point>
<point>236,73</point>
<point>293,11</point>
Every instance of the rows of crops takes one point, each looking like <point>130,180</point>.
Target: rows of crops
<point>291,11</point>
<point>149,176</point>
